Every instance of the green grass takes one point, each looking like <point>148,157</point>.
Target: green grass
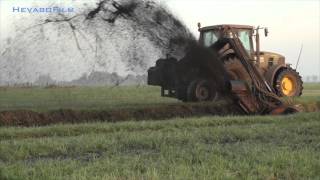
<point>311,93</point>
<point>84,98</point>
<point>283,147</point>
<point>97,98</point>
<point>311,86</point>
<point>256,147</point>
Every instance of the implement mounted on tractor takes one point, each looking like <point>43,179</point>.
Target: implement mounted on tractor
<point>224,64</point>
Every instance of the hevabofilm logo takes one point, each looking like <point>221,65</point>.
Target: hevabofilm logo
<point>56,9</point>
<point>36,7</point>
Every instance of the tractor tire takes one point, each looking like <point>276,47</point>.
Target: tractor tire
<point>202,90</point>
<point>288,83</point>
<point>191,91</point>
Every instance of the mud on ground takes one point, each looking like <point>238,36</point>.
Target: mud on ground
<point>32,118</point>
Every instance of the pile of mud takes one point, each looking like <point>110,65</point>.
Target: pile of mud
<point>31,118</point>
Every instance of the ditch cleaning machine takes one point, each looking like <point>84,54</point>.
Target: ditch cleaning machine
<point>225,65</point>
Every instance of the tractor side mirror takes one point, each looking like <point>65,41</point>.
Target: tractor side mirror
<point>199,26</point>
<point>266,32</point>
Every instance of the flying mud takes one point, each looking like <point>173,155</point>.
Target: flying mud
<point>122,37</point>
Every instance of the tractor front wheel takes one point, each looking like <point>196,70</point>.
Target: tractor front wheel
<point>288,83</point>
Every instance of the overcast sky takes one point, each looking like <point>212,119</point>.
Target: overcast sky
<point>290,22</point>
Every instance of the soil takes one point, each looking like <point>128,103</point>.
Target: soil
<point>32,118</point>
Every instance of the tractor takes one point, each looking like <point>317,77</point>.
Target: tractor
<point>225,64</point>
<point>284,80</point>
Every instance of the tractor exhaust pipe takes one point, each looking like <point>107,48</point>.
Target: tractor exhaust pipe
<point>258,46</point>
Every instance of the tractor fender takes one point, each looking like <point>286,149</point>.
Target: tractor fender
<point>272,72</point>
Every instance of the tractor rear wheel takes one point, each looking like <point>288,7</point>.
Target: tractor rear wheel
<point>288,83</point>
<point>202,90</point>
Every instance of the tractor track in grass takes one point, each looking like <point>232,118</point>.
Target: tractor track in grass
<point>32,118</point>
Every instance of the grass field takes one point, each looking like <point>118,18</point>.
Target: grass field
<point>196,148</point>
<point>83,98</point>
<point>99,98</point>
<point>256,147</point>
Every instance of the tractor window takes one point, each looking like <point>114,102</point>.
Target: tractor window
<point>244,37</point>
<point>209,38</point>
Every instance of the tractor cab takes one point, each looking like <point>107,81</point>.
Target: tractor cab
<point>211,34</point>
<point>250,40</point>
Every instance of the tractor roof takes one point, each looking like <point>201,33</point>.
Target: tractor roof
<point>225,26</point>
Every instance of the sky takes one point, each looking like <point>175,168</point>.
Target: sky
<point>291,23</point>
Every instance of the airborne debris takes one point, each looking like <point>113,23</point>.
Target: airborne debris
<point>122,37</point>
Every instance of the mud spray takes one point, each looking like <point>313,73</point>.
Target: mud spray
<point>119,37</point>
